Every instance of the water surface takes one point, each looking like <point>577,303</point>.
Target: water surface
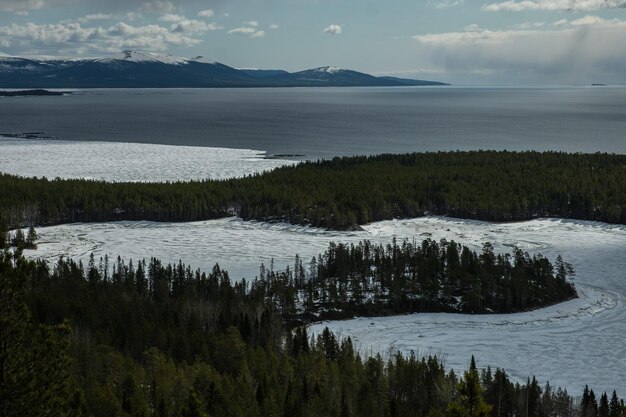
<point>326,122</point>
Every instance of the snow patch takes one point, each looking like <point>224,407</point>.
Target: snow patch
<point>330,70</point>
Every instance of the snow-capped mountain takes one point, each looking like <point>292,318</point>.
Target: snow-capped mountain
<point>334,76</point>
<point>143,69</point>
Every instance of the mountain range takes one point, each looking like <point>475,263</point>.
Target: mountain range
<point>134,69</point>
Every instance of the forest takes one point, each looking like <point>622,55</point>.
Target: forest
<point>110,339</point>
<point>344,193</point>
<point>374,280</point>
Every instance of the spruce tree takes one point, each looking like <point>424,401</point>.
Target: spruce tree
<point>31,239</point>
<point>34,368</point>
<point>615,408</point>
<point>603,408</point>
<point>470,402</point>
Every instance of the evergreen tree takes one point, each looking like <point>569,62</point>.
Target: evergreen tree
<point>18,239</point>
<point>470,402</point>
<point>35,377</point>
<point>615,408</point>
<point>4,236</point>
<point>603,407</point>
<point>194,407</point>
<point>31,239</point>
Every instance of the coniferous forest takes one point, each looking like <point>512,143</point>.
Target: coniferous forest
<point>343,193</point>
<point>148,339</point>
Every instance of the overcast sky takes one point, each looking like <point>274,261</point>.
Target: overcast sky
<point>459,41</point>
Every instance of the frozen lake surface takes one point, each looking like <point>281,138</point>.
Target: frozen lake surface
<point>118,161</point>
<point>571,344</point>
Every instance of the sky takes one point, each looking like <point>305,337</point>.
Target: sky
<point>487,42</point>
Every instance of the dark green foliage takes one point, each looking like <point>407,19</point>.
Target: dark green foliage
<point>344,192</point>
<point>156,340</point>
<point>470,401</point>
<point>375,280</point>
<point>34,375</point>
<point>31,239</point>
<point>4,235</point>
<point>603,407</point>
<point>589,404</point>
<point>616,408</point>
<point>18,239</point>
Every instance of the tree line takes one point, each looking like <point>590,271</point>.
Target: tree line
<point>343,193</point>
<point>109,339</point>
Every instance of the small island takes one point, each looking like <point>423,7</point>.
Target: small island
<point>22,93</point>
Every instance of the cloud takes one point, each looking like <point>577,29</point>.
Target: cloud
<point>158,6</point>
<point>172,18</point>
<point>20,6</point>
<point>73,38</point>
<point>472,28</point>
<point>582,48</point>
<point>181,24</point>
<point>249,31</point>
<point>206,13</point>
<point>274,26</point>
<point>193,26</point>
<point>443,4</point>
<point>95,16</point>
<point>593,20</point>
<point>555,5</point>
<point>333,30</point>
<point>252,23</point>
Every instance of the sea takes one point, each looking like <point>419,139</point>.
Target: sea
<point>313,123</point>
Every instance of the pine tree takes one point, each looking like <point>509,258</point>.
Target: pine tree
<point>18,239</point>
<point>31,239</point>
<point>470,402</point>
<point>589,404</point>
<point>193,407</point>
<point>615,408</point>
<point>34,369</point>
<point>4,236</point>
<point>603,408</point>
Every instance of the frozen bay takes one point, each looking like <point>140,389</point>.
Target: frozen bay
<point>577,342</point>
<point>119,161</point>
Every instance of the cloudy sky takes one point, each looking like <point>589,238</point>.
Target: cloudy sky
<point>460,41</point>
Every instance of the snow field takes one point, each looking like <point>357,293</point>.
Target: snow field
<point>121,162</point>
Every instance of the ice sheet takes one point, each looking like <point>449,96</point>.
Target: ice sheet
<point>116,161</point>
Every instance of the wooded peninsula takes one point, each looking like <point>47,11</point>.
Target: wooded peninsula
<point>343,193</point>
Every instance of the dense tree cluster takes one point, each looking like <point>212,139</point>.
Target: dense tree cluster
<point>110,339</point>
<point>18,239</point>
<point>375,280</point>
<point>344,192</point>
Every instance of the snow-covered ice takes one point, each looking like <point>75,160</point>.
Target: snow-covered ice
<point>115,161</point>
<point>571,344</point>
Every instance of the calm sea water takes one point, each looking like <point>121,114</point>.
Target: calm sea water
<point>335,121</point>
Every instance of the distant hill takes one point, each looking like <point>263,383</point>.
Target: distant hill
<point>340,77</point>
<point>20,93</point>
<point>260,73</point>
<point>145,70</point>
